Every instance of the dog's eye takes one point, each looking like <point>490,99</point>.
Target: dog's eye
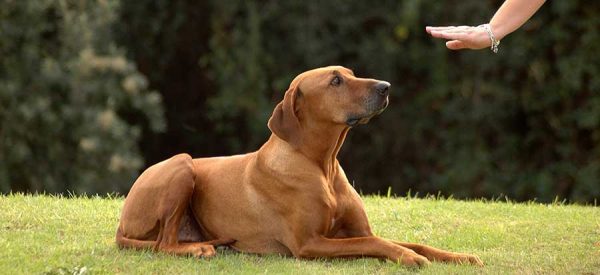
<point>336,81</point>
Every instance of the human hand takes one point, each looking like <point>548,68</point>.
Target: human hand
<point>462,37</point>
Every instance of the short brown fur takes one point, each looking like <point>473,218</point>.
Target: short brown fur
<point>289,197</point>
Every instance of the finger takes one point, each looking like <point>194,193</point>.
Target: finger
<point>449,29</point>
<point>459,29</point>
<point>455,45</point>
<point>439,29</point>
<point>437,34</point>
<point>430,28</point>
<point>450,35</point>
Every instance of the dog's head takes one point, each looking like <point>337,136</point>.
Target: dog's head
<point>330,95</point>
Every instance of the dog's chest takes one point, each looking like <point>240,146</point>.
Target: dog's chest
<point>337,208</point>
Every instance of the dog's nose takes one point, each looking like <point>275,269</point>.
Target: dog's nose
<point>382,88</point>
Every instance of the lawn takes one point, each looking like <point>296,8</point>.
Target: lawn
<point>48,234</point>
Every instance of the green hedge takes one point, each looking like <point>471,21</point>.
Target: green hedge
<point>71,104</point>
<point>523,123</point>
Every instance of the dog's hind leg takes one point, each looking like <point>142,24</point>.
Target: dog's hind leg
<point>154,208</point>
<point>124,242</point>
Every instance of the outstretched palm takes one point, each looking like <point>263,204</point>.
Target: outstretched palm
<point>461,37</point>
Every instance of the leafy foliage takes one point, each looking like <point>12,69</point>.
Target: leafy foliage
<point>523,123</point>
<point>65,91</point>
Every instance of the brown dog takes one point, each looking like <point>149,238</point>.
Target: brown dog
<point>289,197</point>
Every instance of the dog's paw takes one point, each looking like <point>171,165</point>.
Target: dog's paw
<point>420,261</point>
<point>462,258</point>
<point>414,260</point>
<point>204,251</point>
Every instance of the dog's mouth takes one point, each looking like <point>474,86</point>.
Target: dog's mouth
<point>354,120</point>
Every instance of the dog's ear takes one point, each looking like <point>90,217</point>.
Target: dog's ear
<point>284,121</point>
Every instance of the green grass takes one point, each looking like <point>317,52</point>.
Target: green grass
<point>69,235</point>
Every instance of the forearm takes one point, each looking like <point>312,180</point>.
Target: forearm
<point>512,15</point>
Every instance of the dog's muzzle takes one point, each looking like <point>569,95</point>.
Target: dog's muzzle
<point>375,103</point>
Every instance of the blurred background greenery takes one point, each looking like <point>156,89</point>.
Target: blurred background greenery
<point>94,91</point>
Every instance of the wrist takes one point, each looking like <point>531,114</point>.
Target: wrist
<point>498,30</point>
<point>494,42</point>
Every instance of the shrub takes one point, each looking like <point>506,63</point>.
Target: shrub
<point>66,90</point>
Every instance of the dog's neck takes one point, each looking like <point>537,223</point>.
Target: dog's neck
<point>319,143</point>
<point>325,143</point>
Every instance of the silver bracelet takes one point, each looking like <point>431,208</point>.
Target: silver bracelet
<point>495,42</point>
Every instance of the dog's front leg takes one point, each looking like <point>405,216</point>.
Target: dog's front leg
<point>371,246</point>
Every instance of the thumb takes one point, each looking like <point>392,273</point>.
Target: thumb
<point>455,45</point>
